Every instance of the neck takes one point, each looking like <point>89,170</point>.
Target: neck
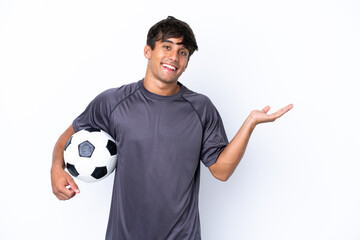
<point>160,87</point>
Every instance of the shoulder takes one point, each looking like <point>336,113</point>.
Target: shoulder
<point>199,101</point>
<point>113,96</point>
<point>203,106</point>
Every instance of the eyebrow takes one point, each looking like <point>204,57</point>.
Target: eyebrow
<point>168,41</point>
<point>180,43</point>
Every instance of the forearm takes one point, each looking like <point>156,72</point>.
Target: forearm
<point>233,152</point>
<point>62,183</point>
<point>58,153</point>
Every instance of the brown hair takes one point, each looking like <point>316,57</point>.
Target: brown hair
<point>172,28</point>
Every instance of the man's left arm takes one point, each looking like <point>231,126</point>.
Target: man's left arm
<point>234,151</point>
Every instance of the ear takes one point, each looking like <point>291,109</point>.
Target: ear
<point>147,51</point>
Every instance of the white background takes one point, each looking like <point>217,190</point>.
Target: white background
<point>299,178</point>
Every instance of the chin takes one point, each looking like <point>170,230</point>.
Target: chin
<point>167,80</point>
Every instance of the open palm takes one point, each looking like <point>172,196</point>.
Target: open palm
<point>263,116</point>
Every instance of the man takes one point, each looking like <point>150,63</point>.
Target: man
<point>162,129</point>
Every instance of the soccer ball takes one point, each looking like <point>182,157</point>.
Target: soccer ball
<point>90,155</point>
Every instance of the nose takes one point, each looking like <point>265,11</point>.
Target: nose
<point>173,55</point>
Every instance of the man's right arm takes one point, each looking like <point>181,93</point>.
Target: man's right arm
<point>63,185</point>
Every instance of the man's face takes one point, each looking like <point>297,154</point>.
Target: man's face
<point>167,61</point>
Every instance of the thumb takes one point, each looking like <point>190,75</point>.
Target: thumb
<point>266,109</point>
<point>73,185</point>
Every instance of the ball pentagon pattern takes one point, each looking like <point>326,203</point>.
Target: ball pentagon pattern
<point>90,155</point>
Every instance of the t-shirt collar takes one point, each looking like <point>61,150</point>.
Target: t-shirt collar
<point>161,97</point>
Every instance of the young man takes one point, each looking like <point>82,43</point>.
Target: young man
<point>162,131</point>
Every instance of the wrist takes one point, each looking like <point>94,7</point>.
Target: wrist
<point>57,167</point>
<point>251,122</point>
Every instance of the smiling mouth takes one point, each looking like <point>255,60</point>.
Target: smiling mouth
<point>169,67</point>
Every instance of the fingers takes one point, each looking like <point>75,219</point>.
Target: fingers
<point>64,186</point>
<point>69,189</point>
<point>266,109</point>
<point>64,193</point>
<point>282,111</point>
<point>262,116</point>
<point>73,185</point>
<point>265,117</point>
<point>62,196</point>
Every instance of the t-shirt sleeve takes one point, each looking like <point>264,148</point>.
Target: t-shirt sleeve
<point>96,114</point>
<point>214,136</point>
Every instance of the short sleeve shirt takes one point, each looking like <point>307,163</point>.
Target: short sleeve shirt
<point>160,141</point>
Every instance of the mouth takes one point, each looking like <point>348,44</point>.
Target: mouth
<point>169,67</point>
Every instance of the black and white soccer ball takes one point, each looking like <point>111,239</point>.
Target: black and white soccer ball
<point>90,155</point>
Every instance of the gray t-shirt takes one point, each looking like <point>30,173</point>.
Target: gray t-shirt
<point>160,140</point>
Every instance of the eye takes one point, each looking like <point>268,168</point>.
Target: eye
<point>184,53</point>
<point>166,47</point>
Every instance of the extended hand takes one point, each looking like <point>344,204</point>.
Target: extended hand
<point>263,116</point>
